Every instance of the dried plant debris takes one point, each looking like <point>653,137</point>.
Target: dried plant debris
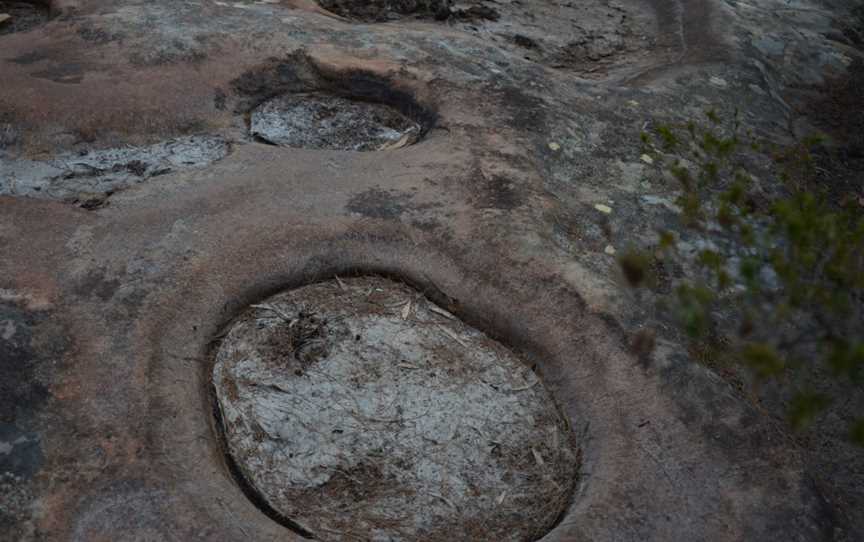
<point>359,410</point>
<point>321,121</point>
<point>93,175</point>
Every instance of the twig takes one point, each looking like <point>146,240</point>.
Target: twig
<point>443,498</point>
<point>340,283</point>
<point>275,309</point>
<point>438,310</point>
<point>452,335</point>
<point>528,387</point>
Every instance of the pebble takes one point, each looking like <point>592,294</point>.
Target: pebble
<point>603,208</point>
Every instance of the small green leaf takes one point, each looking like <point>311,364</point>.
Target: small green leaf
<point>711,259</point>
<point>857,432</point>
<point>763,359</point>
<point>668,137</point>
<point>713,116</point>
<point>805,407</point>
<point>667,240</point>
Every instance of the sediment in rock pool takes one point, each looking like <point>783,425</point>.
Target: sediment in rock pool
<point>359,409</point>
<point>320,121</point>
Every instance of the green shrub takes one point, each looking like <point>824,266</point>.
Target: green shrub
<point>780,273</point>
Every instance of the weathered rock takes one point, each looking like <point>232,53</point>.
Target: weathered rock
<point>501,213</point>
<point>77,177</point>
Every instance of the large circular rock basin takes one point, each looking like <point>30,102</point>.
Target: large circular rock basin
<point>358,410</point>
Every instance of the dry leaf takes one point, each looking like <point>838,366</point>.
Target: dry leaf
<point>537,457</point>
<point>500,499</point>
<point>438,310</point>
<point>453,336</point>
<point>523,388</point>
<point>403,141</point>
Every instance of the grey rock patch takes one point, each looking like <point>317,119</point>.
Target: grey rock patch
<point>78,177</point>
<point>20,451</point>
<point>360,410</point>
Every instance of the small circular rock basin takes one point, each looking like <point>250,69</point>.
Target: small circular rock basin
<point>359,410</point>
<point>323,121</point>
<point>23,15</point>
<point>387,10</point>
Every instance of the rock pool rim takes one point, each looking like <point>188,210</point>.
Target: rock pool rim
<point>435,295</point>
<point>298,73</point>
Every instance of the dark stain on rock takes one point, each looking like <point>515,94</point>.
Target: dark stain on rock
<point>70,73</point>
<point>30,58</point>
<point>377,203</point>
<point>95,284</point>
<point>526,112</point>
<point>427,225</point>
<point>272,78</point>
<point>526,42</point>
<point>494,191</point>
<point>220,99</point>
<point>501,193</point>
<point>20,390</point>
